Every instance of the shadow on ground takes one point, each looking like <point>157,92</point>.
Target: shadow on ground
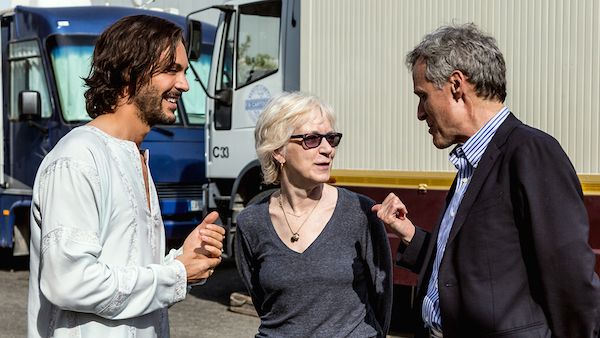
<point>221,284</point>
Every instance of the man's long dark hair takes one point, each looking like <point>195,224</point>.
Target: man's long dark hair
<point>126,56</point>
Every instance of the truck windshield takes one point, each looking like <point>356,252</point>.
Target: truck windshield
<point>71,57</point>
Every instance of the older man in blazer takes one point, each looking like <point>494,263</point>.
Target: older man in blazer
<point>510,256</point>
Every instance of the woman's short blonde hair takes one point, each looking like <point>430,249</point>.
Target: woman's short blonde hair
<point>277,122</point>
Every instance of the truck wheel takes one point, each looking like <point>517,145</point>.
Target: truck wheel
<point>20,241</point>
<point>21,233</point>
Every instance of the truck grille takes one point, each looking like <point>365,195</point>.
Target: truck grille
<point>179,190</point>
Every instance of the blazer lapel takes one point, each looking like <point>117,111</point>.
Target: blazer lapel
<point>482,172</point>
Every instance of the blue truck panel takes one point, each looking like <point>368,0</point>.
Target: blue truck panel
<point>31,38</point>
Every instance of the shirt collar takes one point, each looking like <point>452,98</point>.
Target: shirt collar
<point>475,146</point>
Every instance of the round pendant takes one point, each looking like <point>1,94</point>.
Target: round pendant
<point>295,238</point>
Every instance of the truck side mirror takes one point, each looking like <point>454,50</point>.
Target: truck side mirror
<point>224,96</point>
<point>222,114</point>
<point>30,106</point>
<point>194,39</point>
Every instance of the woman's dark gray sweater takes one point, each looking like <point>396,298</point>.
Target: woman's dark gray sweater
<point>340,286</point>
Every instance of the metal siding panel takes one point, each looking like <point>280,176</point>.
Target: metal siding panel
<point>353,57</point>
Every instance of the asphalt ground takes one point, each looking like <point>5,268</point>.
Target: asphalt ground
<point>204,313</point>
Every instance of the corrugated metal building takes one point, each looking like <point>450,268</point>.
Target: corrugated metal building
<point>551,50</point>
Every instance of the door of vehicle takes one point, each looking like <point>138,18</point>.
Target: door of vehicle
<point>247,76</point>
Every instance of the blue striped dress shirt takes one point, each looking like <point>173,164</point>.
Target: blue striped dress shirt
<point>465,158</point>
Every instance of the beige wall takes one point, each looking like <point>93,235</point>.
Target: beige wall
<point>353,56</point>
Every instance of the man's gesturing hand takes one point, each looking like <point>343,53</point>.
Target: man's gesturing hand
<point>202,249</point>
<point>393,213</point>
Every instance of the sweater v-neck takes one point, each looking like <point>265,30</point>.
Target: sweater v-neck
<point>316,242</point>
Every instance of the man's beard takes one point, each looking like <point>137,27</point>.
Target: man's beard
<point>149,103</point>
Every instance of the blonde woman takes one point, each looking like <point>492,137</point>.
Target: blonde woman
<point>315,259</point>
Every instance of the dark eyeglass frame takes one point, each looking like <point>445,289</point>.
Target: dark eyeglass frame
<point>332,138</point>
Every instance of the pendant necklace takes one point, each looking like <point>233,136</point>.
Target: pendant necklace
<point>295,235</point>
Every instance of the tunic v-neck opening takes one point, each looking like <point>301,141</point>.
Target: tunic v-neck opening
<point>135,152</point>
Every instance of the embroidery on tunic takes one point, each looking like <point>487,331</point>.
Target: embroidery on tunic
<point>126,278</point>
<point>61,233</point>
<point>88,172</point>
<point>151,229</point>
<point>181,284</point>
<point>132,332</point>
<point>133,249</point>
<point>156,225</point>
<point>151,235</point>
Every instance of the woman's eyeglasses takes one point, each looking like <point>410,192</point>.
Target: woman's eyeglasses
<point>310,141</point>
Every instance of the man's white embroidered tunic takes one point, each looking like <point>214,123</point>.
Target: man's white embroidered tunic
<point>97,250</point>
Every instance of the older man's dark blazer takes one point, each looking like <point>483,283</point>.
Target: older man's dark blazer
<point>517,262</point>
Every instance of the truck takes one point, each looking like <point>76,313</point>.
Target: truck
<point>351,53</point>
<point>45,53</point>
